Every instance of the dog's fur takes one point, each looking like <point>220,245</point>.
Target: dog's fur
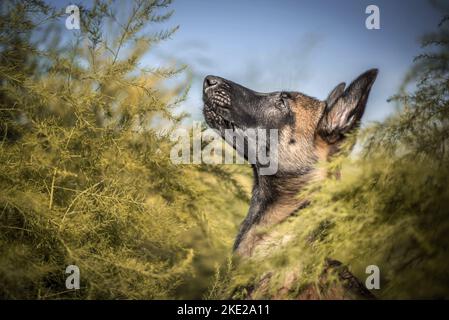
<point>309,130</point>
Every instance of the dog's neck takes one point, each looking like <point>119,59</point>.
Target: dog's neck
<point>274,198</point>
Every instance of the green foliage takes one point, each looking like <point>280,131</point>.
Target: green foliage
<point>390,207</point>
<point>85,177</point>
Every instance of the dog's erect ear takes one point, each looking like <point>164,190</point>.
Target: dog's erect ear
<point>335,94</point>
<point>344,109</point>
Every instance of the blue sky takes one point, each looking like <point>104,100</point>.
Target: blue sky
<point>307,46</point>
<point>300,45</point>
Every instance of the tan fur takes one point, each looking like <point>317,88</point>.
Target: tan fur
<point>275,214</point>
<point>308,113</point>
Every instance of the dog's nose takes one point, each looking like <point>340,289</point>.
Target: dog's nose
<point>211,81</point>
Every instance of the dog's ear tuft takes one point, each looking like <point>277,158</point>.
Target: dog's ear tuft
<point>344,109</point>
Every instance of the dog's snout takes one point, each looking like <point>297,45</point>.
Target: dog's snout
<point>211,81</point>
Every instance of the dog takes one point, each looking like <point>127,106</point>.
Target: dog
<point>309,130</point>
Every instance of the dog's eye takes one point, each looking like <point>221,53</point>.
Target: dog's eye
<point>284,98</point>
<point>285,95</point>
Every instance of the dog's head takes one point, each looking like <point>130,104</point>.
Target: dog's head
<point>309,129</point>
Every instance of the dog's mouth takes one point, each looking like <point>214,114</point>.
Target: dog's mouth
<point>218,97</point>
<point>218,109</point>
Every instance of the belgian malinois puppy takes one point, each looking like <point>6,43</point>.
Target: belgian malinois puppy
<point>309,130</point>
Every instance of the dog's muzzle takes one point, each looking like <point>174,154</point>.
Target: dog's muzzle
<point>215,92</point>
